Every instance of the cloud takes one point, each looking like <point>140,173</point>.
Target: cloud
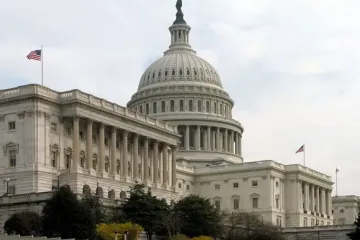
<point>290,66</point>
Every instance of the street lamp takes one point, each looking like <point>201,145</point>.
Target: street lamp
<point>7,185</point>
<point>58,179</point>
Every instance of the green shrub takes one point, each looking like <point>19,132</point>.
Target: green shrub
<point>107,231</point>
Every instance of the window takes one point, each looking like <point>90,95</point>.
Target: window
<point>341,210</point>
<point>190,105</point>
<point>181,105</point>
<point>12,190</point>
<point>188,72</point>
<point>147,109</point>
<point>236,202</point>
<point>312,222</point>
<point>199,106</point>
<point>67,161</point>
<point>106,142</point>
<point>166,73</point>
<point>141,109</point>
<point>68,131</point>
<point>217,186</point>
<point>154,107</point>
<point>179,185</point>
<point>53,159</point>
<point>118,166</point>
<point>255,202</point>
<point>277,203</point>
<point>82,135</point>
<point>207,106</point>
<point>107,164</point>
<point>278,221</point>
<point>254,183</point>
<point>217,204</point>
<point>12,154</point>
<point>235,185</point>
<point>82,161</point>
<point>277,184</point>
<point>221,109</point>
<point>187,187</point>
<point>172,105</point>
<point>163,106</point>
<point>53,127</point>
<point>305,222</point>
<point>173,72</point>
<point>12,125</point>
<point>94,139</point>
<point>215,108</point>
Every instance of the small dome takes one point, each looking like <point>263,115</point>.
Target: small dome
<point>180,67</point>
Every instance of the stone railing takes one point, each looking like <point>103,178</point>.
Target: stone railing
<point>297,167</point>
<point>76,95</point>
<point>185,168</point>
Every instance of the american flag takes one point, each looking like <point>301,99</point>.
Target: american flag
<point>35,55</point>
<point>301,149</point>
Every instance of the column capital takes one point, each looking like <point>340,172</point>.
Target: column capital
<point>89,120</point>
<point>125,132</point>
<point>76,118</point>
<point>174,147</point>
<point>136,136</point>
<point>113,129</point>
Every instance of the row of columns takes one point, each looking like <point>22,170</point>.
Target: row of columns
<point>214,139</point>
<point>113,162</point>
<point>316,199</point>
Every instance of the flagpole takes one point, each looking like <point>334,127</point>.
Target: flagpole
<point>42,66</point>
<point>304,155</point>
<point>336,182</point>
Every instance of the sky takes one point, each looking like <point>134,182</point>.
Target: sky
<point>290,66</point>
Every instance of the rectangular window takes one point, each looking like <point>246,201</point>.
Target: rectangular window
<point>341,210</point>
<point>305,222</point>
<point>12,125</point>
<point>217,186</point>
<point>277,203</point>
<point>217,204</point>
<point>235,185</point>
<point>68,161</point>
<point>12,158</point>
<point>187,187</point>
<point>94,139</point>
<point>236,203</point>
<point>179,185</point>
<point>312,222</point>
<point>68,131</point>
<point>82,135</point>
<point>12,190</point>
<point>53,159</point>
<point>255,202</point>
<point>254,183</point>
<point>106,142</point>
<point>53,127</point>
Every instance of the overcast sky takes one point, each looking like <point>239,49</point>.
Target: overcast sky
<point>290,66</point>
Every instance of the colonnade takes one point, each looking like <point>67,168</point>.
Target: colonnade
<point>315,199</point>
<point>210,139</point>
<point>153,164</point>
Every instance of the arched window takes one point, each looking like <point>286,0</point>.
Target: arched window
<point>141,109</point>
<point>147,109</point>
<point>199,106</point>
<point>181,105</point>
<point>163,106</point>
<point>172,105</point>
<point>190,106</point>
<point>154,107</point>
<point>207,106</point>
<point>215,108</point>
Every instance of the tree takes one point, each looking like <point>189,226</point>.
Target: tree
<point>198,217</point>
<point>97,209</point>
<point>356,234</point>
<point>64,216</point>
<point>24,224</point>
<point>247,226</point>
<point>144,209</point>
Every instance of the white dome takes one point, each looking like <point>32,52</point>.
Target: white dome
<point>180,67</point>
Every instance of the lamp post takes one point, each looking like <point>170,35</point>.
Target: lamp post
<point>58,179</point>
<point>7,185</point>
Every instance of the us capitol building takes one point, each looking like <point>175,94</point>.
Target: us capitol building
<point>176,135</point>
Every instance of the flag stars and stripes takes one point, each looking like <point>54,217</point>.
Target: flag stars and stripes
<point>34,55</point>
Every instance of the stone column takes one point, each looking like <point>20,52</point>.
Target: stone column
<point>187,136</point>
<point>240,145</point>
<point>125,153</point>
<point>213,133</point>
<point>198,134</point>
<point>102,147</point>
<point>156,163</point>
<point>209,138</point>
<point>317,192</point>
<point>226,140</point>
<point>306,200</point>
<point>218,139</point>
<point>89,144</point>
<point>113,150</point>
<point>173,168</point>
<point>76,142</point>
<point>328,206</point>
<point>165,164</point>
<point>136,156</point>
<point>232,142</point>
<point>323,201</point>
<point>236,143</point>
<point>146,159</point>
<point>312,198</point>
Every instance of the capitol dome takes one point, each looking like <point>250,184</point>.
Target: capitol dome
<point>183,89</point>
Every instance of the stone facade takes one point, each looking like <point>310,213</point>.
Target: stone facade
<point>345,209</point>
<point>177,136</point>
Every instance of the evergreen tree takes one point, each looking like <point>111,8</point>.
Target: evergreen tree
<point>24,224</point>
<point>64,216</point>
<point>197,216</point>
<point>144,209</point>
<point>356,234</point>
